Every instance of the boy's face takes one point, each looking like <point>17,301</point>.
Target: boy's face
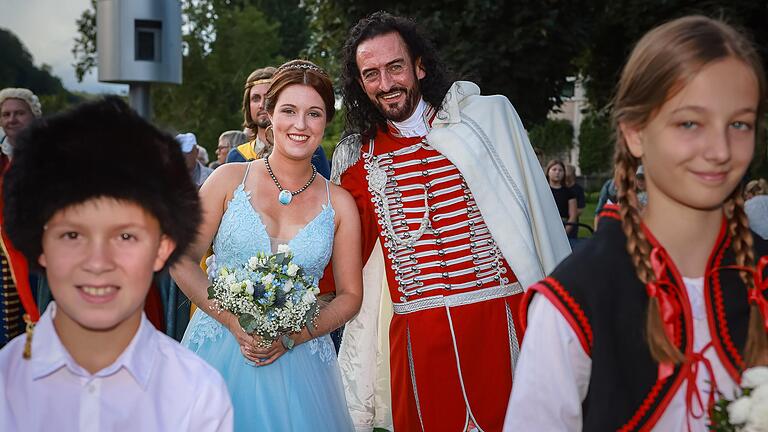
<point>100,257</point>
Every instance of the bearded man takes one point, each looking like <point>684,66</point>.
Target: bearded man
<point>447,183</point>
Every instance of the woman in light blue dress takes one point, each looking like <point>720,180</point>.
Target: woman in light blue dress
<point>295,384</point>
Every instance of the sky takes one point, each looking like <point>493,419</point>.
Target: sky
<point>47,30</point>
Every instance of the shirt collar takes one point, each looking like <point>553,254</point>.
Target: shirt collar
<point>49,355</point>
<point>417,125</point>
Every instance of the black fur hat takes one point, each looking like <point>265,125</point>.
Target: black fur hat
<point>98,149</point>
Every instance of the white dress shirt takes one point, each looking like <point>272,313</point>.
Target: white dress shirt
<point>552,375</point>
<point>154,385</point>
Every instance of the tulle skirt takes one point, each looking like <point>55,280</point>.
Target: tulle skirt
<point>300,391</point>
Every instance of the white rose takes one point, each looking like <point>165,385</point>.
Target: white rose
<point>758,417</point>
<point>249,287</point>
<point>288,286</point>
<point>236,287</point>
<point>309,297</point>
<point>738,410</point>
<point>253,263</point>
<point>759,396</point>
<point>230,279</point>
<point>266,280</point>
<point>283,248</point>
<point>292,269</point>
<point>755,376</point>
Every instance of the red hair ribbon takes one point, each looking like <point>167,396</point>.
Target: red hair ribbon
<point>669,307</point>
<point>756,296</point>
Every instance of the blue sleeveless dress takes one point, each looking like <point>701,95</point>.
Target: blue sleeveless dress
<point>301,390</point>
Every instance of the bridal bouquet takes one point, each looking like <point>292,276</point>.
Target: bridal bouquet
<point>749,412</point>
<point>269,294</point>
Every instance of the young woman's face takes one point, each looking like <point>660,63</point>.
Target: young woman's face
<point>697,147</point>
<point>99,258</point>
<point>556,174</point>
<point>298,121</point>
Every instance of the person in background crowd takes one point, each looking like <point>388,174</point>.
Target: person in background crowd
<point>257,121</point>
<point>756,206</point>
<point>190,149</point>
<point>19,107</point>
<point>202,155</point>
<point>607,196</point>
<point>227,141</point>
<point>578,192</point>
<point>659,317</point>
<point>100,226</point>
<point>565,197</point>
<point>463,222</point>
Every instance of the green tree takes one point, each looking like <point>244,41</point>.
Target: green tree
<point>18,70</point>
<point>552,137</point>
<point>519,49</point>
<point>596,144</point>
<point>223,41</point>
<point>621,23</point>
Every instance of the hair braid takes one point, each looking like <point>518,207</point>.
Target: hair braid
<point>756,348</point>
<point>639,249</point>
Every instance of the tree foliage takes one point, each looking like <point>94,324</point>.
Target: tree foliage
<point>519,49</point>
<point>621,23</point>
<point>18,70</point>
<point>596,144</point>
<point>223,41</point>
<point>552,137</point>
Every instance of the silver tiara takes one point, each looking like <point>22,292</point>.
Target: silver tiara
<point>304,66</point>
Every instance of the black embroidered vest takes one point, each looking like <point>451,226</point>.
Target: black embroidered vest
<point>598,293</point>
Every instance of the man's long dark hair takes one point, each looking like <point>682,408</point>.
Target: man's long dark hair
<point>362,115</point>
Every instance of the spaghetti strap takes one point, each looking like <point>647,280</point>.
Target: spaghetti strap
<point>328,191</point>
<point>247,168</point>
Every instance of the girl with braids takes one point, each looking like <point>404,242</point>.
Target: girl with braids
<point>663,312</point>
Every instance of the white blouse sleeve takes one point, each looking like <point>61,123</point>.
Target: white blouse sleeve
<point>552,374</point>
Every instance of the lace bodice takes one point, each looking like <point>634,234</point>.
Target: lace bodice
<point>242,234</point>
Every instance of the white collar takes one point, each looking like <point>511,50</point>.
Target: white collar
<point>49,355</point>
<point>416,125</point>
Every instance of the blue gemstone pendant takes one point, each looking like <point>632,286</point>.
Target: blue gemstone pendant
<point>285,197</point>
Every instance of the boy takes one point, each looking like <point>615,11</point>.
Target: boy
<point>101,220</point>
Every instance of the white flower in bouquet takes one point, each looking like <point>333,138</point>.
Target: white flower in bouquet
<point>309,297</point>
<point>254,263</point>
<point>292,270</point>
<point>287,286</point>
<point>283,248</point>
<point>738,410</point>
<point>236,287</point>
<point>755,377</point>
<point>268,279</point>
<point>249,287</point>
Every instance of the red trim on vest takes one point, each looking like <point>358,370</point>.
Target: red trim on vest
<point>611,211</point>
<point>575,316</point>
<point>723,342</point>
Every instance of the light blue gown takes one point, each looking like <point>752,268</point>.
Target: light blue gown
<point>300,391</point>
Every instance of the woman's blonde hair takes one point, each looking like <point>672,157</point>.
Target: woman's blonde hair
<point>661,64</point>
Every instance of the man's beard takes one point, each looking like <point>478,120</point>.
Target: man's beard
<point>262,122</point>
<point>399,114</point>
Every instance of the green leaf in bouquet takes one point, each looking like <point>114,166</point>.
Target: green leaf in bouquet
<point>247,322</point>
<point>211,293</point>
